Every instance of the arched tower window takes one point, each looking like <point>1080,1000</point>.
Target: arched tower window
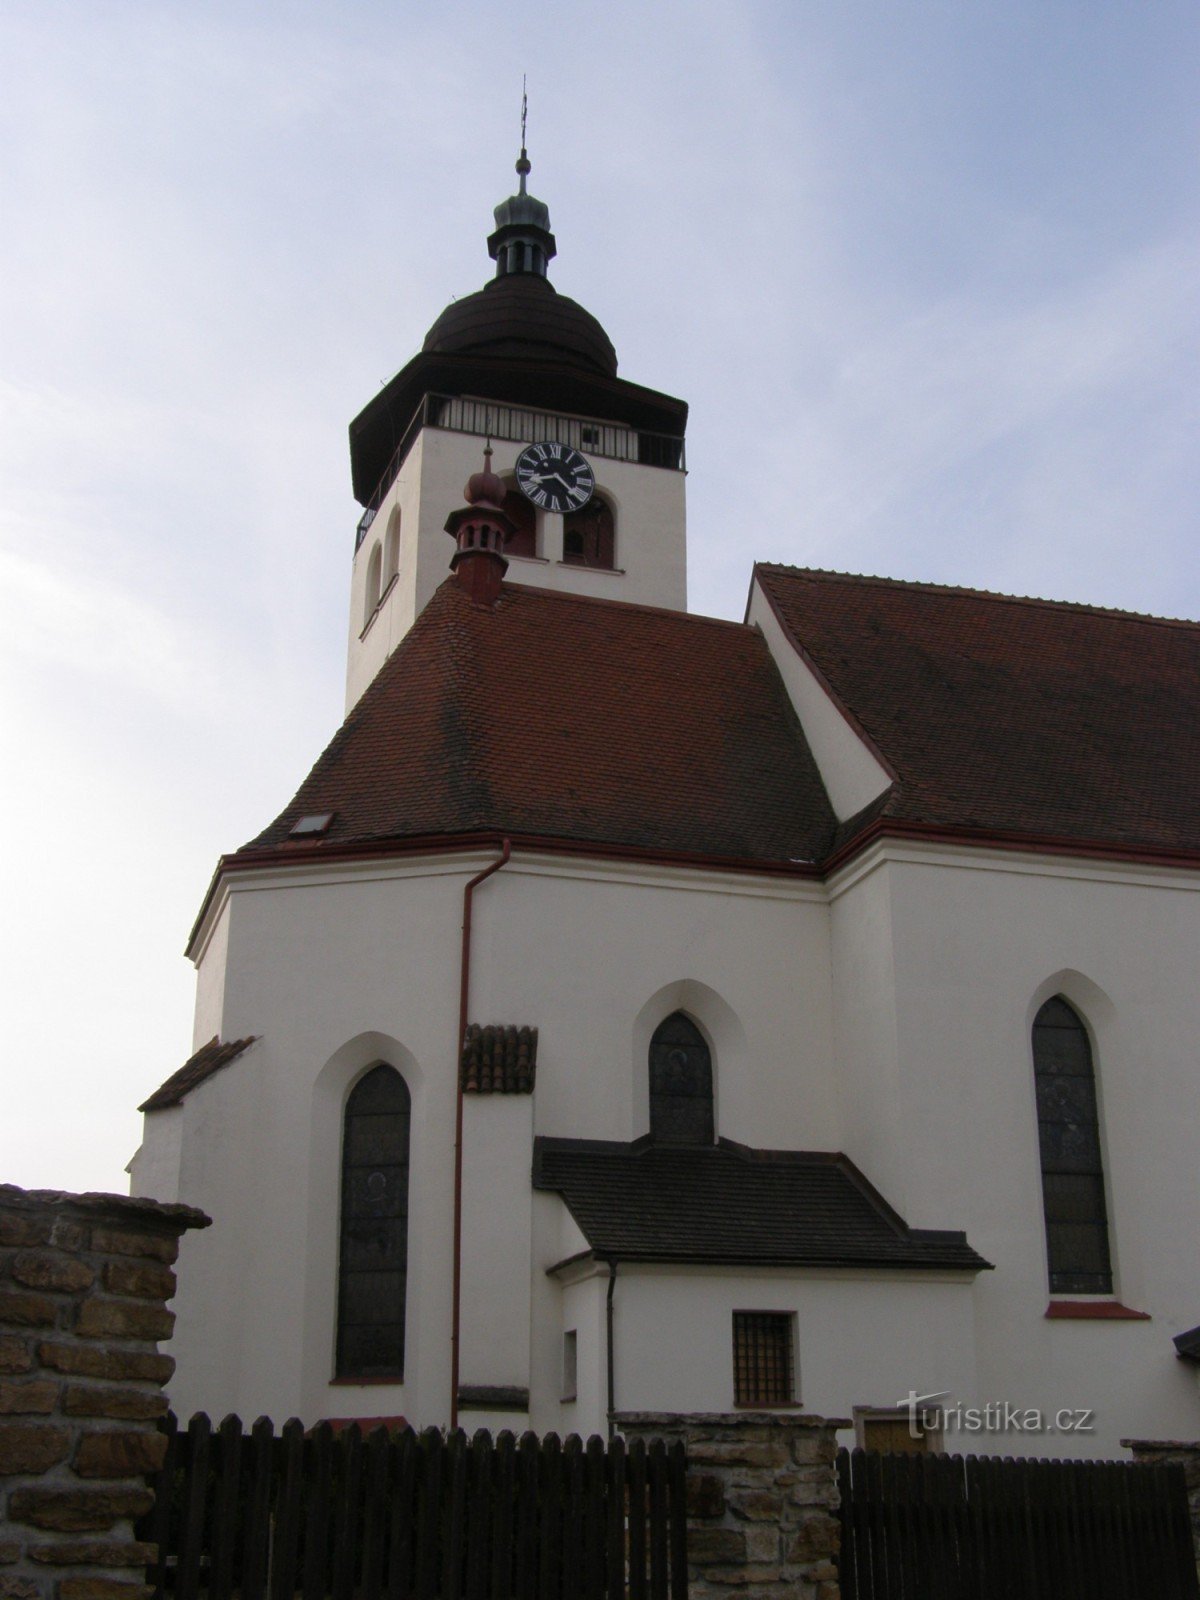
<point>373,1259</point>
<point>523,541</point>
<point>374,583</point>
<point>589,535</point>
<point>1072,1168</point>
<point>391,553</point>
<point>681,1086</point>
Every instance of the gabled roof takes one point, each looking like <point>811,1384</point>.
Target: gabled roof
<point>210,1058</point>
<point>554,717</point>
<point>728,1205</point>
<point>1006,715</point>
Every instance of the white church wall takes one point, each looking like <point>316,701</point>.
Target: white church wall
<point>497,1240</point>
<point>977,942</point>
<point>211,961</point>
<point>154,1169</point>
<point>853,775</point>
<point>597,954</point>
<point>859,1339</point>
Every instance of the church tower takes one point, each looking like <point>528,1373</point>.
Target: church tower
<point>593,465</point>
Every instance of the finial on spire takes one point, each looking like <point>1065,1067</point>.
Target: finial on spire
<point>522,242</point>
<point>523,160</point>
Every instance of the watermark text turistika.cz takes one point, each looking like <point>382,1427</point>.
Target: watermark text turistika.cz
<point>926,1414</point>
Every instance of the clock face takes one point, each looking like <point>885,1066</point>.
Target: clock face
<point>555,477</point>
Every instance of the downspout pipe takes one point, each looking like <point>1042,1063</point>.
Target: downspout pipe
<point>464,993</point>
<point>610,1352</point>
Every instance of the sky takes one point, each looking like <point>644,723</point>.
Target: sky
<point>925,270</point>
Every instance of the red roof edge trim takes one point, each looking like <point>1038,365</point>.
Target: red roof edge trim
<point>835,699</point>
<point>1031,843</point>
<point>384,849</point>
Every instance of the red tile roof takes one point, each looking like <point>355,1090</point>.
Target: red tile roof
<point>1007,715</point>
<point>498,1060</point>
<point>555,717</point>
<point>210,1058</point>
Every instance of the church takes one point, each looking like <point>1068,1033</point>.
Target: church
<point>636,1011</point>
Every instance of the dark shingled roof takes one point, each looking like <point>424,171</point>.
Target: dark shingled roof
<point>555,717</point>
<point>210,1058</point>
<point>1008,715</point>
<point>728,1205</point>
<point>523,315</point>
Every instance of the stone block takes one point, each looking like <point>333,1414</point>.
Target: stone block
<point>68,1510</point>
<point>35,1397</point>
<point>124,1242</point>
<point>41,1269</point>
<point>762,1542</point>
<point>32,1446</point>
<point>68,1234</point>
<point>143,1280</point>
<point>815,1540</point>
<point>747,1453</point>
<point>10,1551</point>
<point>705,1495</point>
<point>93,1553</point>
<point>106,1319</point>
<point>709,1545</point>
<point>15,1355</point>
<point>102,1589</point>
<point>130,1405</point>
<point>13,1587</point>
<point>755,1505</point>
<point>741,1577</point>
<point>813,1446</point>
<point>119,1455</point>
<point>94,1361</point>
<point>18,1228</point>
<point>20,1308</point>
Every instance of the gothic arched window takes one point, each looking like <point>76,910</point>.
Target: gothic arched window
<point>374,582</point>
<point>589,535</point>
<point>391,554</point>
<point>681,1086</point>
<point>1072,1168</point>
<point>373,1259</point>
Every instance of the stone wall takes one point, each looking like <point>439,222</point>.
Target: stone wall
<point>84,1281</point>
<point>762,1501</point>
<point>1187,1454</point>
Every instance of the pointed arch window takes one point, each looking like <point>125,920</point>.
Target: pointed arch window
<point>373,1256</point>
<point>374,582</point>
<point>1077,1246</point>
<point>681,1083</point>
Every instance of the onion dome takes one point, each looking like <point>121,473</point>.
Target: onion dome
<point>520,313</point>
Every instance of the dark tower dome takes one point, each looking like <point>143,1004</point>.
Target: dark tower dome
<point>521,314</point>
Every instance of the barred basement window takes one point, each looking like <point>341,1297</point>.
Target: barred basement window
<point>1069,1139</point>
<point>373,1265</point>
<point>763,1369</point>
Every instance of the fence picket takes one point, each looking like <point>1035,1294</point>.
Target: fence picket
<point>285,1547</point>
<point>550,1485</point>
<point>195,1496</point>
<point>504,1514</point>
<point>227,1505</point>
<point>256,1536</point>
<point>347,1515</point>
<point>656,1472</point>
<point>635,1477</point>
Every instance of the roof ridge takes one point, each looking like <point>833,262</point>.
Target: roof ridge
<point>570,597</point>
<point>925,587</point>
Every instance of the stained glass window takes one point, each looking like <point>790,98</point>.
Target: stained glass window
<point>681,1086</point>
<point>1072,1167</point>
<point>373,1267</point>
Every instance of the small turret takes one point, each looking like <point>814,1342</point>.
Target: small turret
<point>481,529</point>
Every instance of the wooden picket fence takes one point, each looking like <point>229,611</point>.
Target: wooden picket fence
<point>924,1527</point>
<point>328,1515</point>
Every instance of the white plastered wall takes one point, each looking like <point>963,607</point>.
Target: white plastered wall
<point>942,957</point>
